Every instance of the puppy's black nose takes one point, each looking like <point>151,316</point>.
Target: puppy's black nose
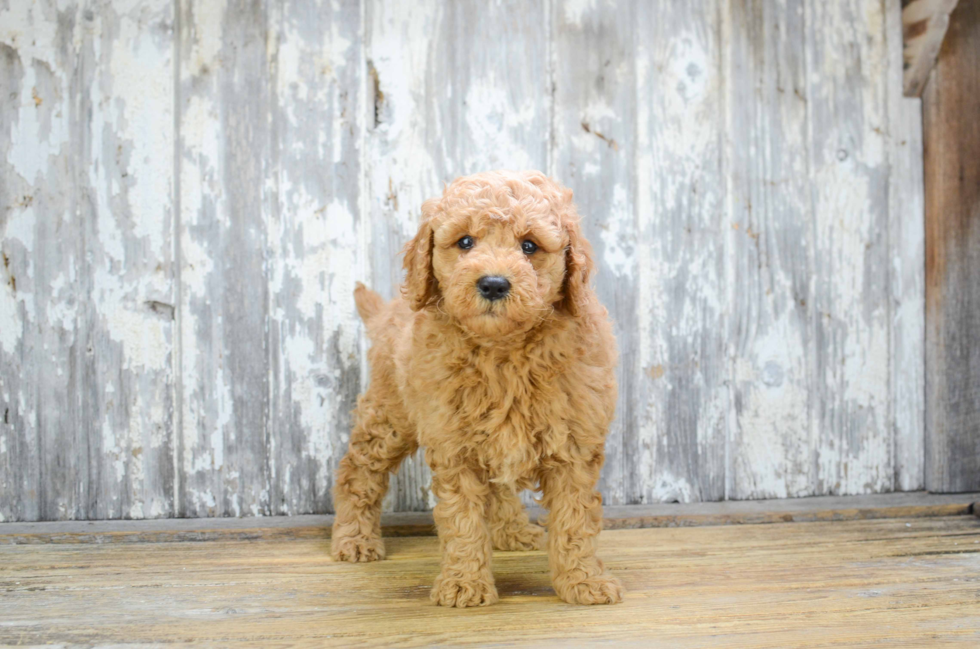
<point>493,287</point>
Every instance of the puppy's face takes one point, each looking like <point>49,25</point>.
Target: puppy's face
<point>498,253</point>
<point>498,269</point>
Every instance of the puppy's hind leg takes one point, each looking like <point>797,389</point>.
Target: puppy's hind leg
<point>376,450</point>
<point>510,528</point>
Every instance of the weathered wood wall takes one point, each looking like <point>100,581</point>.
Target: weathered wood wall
<point>951,111</point>
<point>190,189</point>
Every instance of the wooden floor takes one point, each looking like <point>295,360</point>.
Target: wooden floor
<point>888,582</point>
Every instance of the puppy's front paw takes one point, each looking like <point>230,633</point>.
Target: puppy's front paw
<point>459,592</point>
<point>357,549</point>
<point>530,537</point>
<point>602,589</point>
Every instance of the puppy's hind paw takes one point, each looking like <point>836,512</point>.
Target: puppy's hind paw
<point>530,537</point>
<point>602,589</point>
<point>357,549</point>
<point>461,593</point>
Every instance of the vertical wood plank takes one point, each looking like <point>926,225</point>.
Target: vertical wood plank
<point>847,74</point>
<point>64,347</point>
<point>93,222</point>
<point>594,149</point>
<point>906,231</point>
<point>951,133</point>
<point>227,184</point>
<point>313,245</point>
<point>25,146</point>
<point>772,448</point>
<point>682,230</point>
<point>448,96</point>
<point>126,177</point>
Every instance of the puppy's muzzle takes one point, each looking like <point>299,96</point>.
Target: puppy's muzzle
<point>493,287</point>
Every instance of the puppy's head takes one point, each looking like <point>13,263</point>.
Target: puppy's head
<point>499,252</point>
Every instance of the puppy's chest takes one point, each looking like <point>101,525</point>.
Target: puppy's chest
<point>512,415</point>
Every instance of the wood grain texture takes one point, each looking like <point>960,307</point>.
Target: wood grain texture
<point>226,170</point>
<point>682,298</point>
<point>952,196</point>
<point>86,306</point>
<point>781,270</point>
<point>270,340</point>
<point>906,235</point>
<point>861,583</point>
<point>313,248</point>
<point>20,452</point>
<point>189,192</point>
<point>847,72</point>
<point>769,222</point>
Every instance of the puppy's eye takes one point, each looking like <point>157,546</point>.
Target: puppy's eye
<point>529,247</point>
<point>466,242</point>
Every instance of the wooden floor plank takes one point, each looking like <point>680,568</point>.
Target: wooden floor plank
<point>787,510</point>
<point>897,582</point>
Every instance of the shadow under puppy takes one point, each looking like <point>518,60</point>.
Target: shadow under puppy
<point>499,361</point>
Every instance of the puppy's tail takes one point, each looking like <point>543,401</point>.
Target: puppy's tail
<point>369,303</point>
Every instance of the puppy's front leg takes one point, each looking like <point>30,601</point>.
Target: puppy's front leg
<point>574,523</point>
<point>460,516</point>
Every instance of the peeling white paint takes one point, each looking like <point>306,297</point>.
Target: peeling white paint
<point>575,11</point>
<point>34,146</point>
<point>10,324</point>
<point>208,31</point>
<point>343,191</point>
<point>141,115</point>
<point>771,460</point>
<point>20,226</point>
<point>492,122</point>
<point>618,240</point>
<point>906,235</point>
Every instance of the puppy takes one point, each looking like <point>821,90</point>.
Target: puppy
<point>499,361</point>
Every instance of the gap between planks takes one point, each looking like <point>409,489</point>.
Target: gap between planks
<point>822,508</point>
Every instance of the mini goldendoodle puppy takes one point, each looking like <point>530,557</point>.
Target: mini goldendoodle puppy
<point>499,361</point>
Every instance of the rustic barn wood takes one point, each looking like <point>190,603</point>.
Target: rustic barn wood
<point>315,361</point>
<point>683,243</point>
<point>850,328</point>
<point>188,192</point>
<point>892,582</point>
<point>924,24</point>
<point>951,130</point>
<point>906,236</point>
<point>227,175</point>
<point>87,301</point>
<point>771,215</point>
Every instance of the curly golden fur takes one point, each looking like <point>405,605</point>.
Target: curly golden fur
<point>504,394</point>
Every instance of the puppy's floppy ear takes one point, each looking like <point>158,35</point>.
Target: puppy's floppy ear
<point>420,287</point>
<point>579,264</point>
